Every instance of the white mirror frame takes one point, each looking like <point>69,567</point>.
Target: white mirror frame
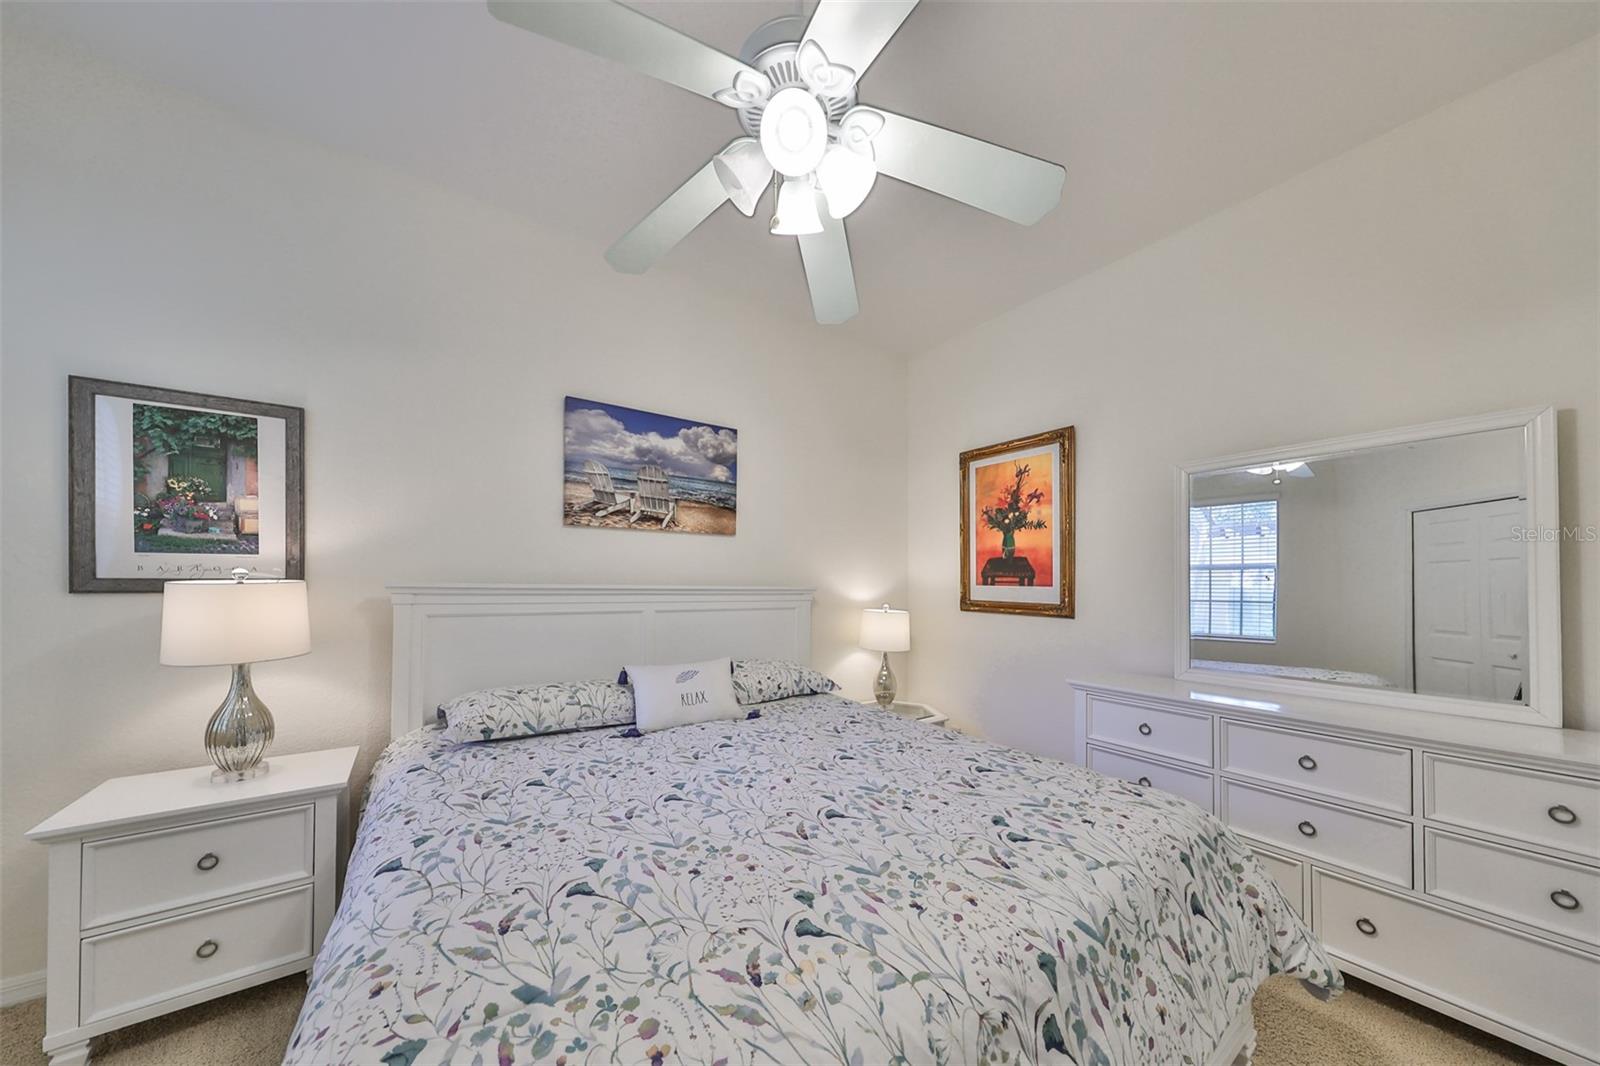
<point>1543,708</point>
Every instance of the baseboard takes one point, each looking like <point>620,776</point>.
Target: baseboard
<point>21,988</point>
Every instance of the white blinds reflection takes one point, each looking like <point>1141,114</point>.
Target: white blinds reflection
<point>1233,570</point>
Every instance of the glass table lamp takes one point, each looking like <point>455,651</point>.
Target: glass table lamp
<point>235,623</point>
<point>886,630</point>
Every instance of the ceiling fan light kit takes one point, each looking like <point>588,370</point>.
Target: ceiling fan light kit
<point>794,90</point>
<point>795,214</point>
<point>743,169</point>
<point>794,132</point>
<point>845,177</point>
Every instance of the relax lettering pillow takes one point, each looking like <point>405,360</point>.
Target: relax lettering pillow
<point>667,696</point>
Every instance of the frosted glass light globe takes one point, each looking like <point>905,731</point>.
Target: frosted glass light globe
<point>846,177</point>
<point>744,173</point>
<point>796,215</point>
<point>794,132</point>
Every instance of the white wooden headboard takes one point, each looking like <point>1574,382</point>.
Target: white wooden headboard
<point>450,639</point>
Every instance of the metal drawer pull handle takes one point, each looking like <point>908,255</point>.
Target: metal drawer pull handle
<point>1307,829</point>
<point>1307,762</point>
<point>1144,729</point>
<point>207,949</point>
<point>1145,781</point>
<point>1562,813</point>
<point>1564,899</point>
<point>208,861</point>
<point>1366,926</point>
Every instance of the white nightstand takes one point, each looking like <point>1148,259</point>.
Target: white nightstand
<point>167,889</point>
<point>917,712</point>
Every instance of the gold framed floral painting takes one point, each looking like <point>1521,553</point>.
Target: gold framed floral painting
<point>1017,526</point>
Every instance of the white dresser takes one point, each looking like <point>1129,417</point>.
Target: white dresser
<point>1452,861</point>
<point>167,889</point>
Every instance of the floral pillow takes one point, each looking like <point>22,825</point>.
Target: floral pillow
<point>762,680</point>
<point>503,713</point>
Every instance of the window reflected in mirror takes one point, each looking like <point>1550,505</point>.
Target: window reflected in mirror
<point>1401,567</point>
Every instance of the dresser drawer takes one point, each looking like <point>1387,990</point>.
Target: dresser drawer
<point>131,876</point>
<point>1528,984</point>
<point>1374,774</point>
<point>1190,785</point>
<point>1562,897</point>
<point>1528,806</point>
<point>1176,734</point>
<point>1366,843</point>
<point>146,964</point>
<point>1287,872</point>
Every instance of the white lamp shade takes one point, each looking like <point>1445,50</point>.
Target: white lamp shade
<point>744,172</point>
<point>796,213</point>
<point>220,623</point>
<point>846,177</point>
<point>884,629</point>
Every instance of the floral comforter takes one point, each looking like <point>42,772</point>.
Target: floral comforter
<point>825,883</point>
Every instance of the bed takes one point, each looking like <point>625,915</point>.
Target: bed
<point>1298,673</point>
<point>822,883</point>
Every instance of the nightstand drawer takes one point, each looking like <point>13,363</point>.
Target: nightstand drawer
<point>146,964</point>
<point>132,876</point>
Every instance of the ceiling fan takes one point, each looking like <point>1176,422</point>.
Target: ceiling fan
<point>1293,468</point>
<point>793,88</point>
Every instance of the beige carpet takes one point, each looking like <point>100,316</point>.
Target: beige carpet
<point>1364,1027</point>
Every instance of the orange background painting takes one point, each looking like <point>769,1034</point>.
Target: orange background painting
<point>991,486</point>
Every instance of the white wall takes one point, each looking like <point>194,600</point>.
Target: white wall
<point>1444,269</point>
<point>151,238</point>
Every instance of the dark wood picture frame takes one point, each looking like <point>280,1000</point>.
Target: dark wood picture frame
<point>1065,603</point>
<point>81,393</point>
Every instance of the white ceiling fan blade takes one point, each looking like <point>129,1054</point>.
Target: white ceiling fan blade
<point>637,250</point>
<point>614,31</point>
<point>991,178</point>
<point>832,279</point>
<point>853,32</point>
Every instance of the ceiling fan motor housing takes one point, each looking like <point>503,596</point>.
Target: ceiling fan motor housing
<point>772,49</point>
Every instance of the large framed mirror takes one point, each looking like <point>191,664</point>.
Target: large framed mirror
<point>1415,568</point>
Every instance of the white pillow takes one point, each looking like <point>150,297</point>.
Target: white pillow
<point>667,696</point>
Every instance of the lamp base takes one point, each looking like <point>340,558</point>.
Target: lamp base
<point>241,730</point>
<point>883,690</point>
<point>224,777</point>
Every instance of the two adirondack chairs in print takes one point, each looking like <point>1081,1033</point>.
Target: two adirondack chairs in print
<point>653,499</point>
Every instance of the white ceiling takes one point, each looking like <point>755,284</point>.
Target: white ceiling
<point>1162,113</point>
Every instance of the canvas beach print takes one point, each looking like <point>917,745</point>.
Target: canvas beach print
<point>631,469</point>
<point>1017,526</point>
<point>168,484</point>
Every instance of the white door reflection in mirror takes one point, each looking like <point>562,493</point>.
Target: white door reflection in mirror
<point>1470,600</point>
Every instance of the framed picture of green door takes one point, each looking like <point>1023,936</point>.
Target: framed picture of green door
<point>165,484</point>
